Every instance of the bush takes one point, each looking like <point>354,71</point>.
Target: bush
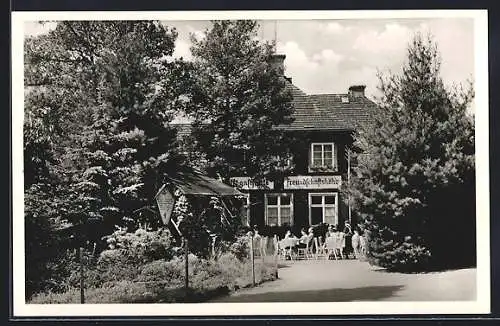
<point>401,257</point>
<point>163,281</point>
<point>240,248</point>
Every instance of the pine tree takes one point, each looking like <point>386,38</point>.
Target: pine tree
<point>414,185</point>
<point>238,99</point>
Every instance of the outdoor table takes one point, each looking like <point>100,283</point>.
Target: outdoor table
<point>290,242</point>
<point>331,243</point>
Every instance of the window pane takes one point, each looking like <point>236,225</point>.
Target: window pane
<point>329,199</point>
<point>286,214</point>
<point>272,216</point>
<point>286,220</point>
<point>272,200</point>
<point>317,162</point>
<point>285,199</point>
<point>272,212</point>
<point>272,220</point>
<point>328,148</point>
<point>316,215</point>
<point>316,199</point>
<point>317,148</point>
<point>330,215</point>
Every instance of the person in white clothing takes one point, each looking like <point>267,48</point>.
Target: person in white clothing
<point>356,243</point>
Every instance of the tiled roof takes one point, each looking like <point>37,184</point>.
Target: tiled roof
<point>321,112</point>
<point>356,110</point>
<point>309,115</point>
<point>327,111</point>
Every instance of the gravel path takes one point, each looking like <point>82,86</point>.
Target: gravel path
<point>352,280</point>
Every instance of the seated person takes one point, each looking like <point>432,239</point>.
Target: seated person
<point>331,232</point>
<point>304,239</point>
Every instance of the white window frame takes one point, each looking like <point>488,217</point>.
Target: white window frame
<point>278,206</point>
<point>323,205</point>
<point>334,156</point>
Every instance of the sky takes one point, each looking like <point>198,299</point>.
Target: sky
<point>328,56</point>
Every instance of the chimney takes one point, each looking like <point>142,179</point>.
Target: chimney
<point>357,91</point>
<point>278,62</point>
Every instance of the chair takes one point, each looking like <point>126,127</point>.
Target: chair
<point>341,244</point>
<point>285,248</point>
<point>331,246</point>
<point>307,251</point>
<point>320,249</point>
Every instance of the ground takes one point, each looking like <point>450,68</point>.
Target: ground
<point>353,280</point>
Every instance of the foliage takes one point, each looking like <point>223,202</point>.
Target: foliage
<point>162,281</point>
<point>237,100</point>
<point>99,99</point>
<point>414,184</point>
<point>205,221</point>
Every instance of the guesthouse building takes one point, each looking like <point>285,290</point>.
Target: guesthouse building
<point>311,193</point>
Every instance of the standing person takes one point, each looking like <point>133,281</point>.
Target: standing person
<point>362,245</point>
<point>355,241</point>
<point>259,241</point>
<point>348,238</point>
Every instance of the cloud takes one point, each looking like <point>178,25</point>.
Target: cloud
<point>392,39</point>
<point>296,58</point>
<point>316,72</point>
<point>335,28</point>
<point>328,55</point>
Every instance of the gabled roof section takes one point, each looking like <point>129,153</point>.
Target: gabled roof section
<point>309,115</point>
<point>356,110</point>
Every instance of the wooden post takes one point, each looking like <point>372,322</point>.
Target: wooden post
<point>348,183</point>
<point>82,283</point>
<point>252,258</point>
<point>275,243</point>
<point>186,264</point>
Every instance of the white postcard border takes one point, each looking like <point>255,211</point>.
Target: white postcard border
<point>481,305</point>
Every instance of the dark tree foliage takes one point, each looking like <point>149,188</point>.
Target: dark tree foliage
<point>414,185</point>
<point>238,100</point>
<point>97,141</point>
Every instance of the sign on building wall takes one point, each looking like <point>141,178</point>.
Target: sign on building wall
<point>247,183</point>
<point>312,182</point>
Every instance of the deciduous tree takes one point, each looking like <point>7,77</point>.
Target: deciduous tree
<point>238,100</point>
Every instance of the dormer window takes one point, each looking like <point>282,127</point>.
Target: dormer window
<point>322,156</point>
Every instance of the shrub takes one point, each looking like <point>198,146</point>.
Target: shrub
<point>160,280</point>
<point>402,257</point>
<point>240,248</point>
